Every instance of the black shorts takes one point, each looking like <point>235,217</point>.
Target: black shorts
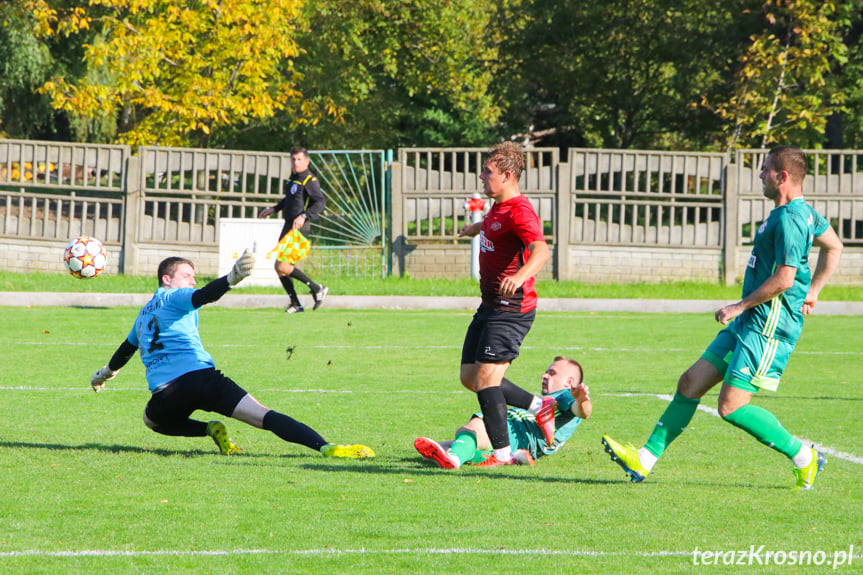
<point>205,389</point>
<point>494,336</point>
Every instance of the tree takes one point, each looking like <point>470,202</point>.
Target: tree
<point>786,86</point>
<point>628,73</point>
<point>405,72</point>
<point>173,72</point>
<point>25,63</point>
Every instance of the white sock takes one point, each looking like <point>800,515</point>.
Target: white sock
<point>503,454</point>
<point>647,459</point>
<point>535,405</point>
<point>803,457</point>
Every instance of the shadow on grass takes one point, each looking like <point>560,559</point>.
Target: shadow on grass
<point>411,467</point>
<point>134,449</point>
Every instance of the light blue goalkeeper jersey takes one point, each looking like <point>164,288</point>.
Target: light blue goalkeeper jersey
<point>784,238</point>
<point>166,335</point>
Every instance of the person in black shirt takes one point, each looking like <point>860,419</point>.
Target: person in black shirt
<point>303,201</point>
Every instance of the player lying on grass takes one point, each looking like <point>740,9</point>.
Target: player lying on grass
<point>752,352</point>
<point>181,374</point>
<point>562,381</point>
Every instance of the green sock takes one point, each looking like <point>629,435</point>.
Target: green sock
<point>464,446</point>
<point>763,426</point>
<point>677,416</point>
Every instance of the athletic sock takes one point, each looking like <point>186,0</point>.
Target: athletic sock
<point>503,454</point>
<point>647,459</point>
<point>288,284</point>
<point>493,406</point>
<point>763,426</point>
<point>516,396</point>
<point>672,423</point>
<point>299,275</point>
<point>803,457</point>
<point>464,446</point>
<point>292,430</point>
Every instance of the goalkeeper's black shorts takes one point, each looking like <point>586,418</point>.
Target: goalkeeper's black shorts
<point>207,389</point>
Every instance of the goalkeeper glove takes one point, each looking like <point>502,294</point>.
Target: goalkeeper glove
<point>242,268</point>
<point>97,382</point>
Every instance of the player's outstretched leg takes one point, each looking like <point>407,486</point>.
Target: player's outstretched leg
<point>626,456</point>
<point>219,433</point>
<point>545,419</point>
<point>356,451</point>
<point>806,475</point>
<point>432,450</point>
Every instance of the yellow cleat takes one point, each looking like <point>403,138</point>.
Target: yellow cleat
<point>806,475</point>
<point>626,456</point>
<point>352,451</point>
<point>219,433</point>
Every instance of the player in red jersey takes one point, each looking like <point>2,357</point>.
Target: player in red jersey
<point>512,251</point>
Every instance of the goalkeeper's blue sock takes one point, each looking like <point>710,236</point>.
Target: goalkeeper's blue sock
<point>292,430</point>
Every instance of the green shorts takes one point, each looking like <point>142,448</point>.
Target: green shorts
<point>749,360</point>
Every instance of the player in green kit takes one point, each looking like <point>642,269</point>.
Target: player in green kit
<point>562,381</point>
<point>763,327</point>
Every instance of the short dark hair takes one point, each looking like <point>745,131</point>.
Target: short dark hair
<point>573,363</point>
<point>169,265</point>
<point>790,159</point>
<point>299,150</point>
<point>507,156</point>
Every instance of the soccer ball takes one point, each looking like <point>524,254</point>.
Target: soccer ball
<point>85,257</point>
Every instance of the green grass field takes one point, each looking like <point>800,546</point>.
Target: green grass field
<point>88,488</point>
<point>115,283</point>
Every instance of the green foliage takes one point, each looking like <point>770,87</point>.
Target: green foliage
<point>25,63</point>
<point>405,73</point>
<point>785,87</point>
<point>625,74</point>
<point>350,74</point>
<point>173,73</point>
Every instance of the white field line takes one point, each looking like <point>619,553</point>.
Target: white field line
<point>359,551</point>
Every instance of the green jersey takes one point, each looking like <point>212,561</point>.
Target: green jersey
<point>784,239</point>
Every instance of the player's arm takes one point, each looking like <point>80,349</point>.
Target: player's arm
<point>268,211</point>
<point>582,406</point>
<point>781,280</point>
<point>830,249</point>
<point>120,358</point>
<point>539,254</point>
<point>218,287</point>
<point>470,230</point>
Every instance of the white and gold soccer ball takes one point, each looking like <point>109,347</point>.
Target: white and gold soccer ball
<point>85,257</point>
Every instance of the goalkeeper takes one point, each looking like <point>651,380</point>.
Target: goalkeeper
<point>563,380</point>
<point>182,376</point>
